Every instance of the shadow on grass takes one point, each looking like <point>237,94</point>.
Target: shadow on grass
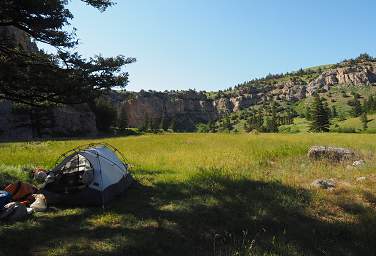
<point>209,214</point>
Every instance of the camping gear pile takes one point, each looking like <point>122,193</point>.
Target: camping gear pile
<point>90,175</point>
<point>20,199</point>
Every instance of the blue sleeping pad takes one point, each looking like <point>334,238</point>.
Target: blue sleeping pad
<point>5,198</point>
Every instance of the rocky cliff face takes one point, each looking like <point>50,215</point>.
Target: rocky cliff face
<point>14,37</point>
<point>197,107</point>
<point>353,75</point>
<point>189,107</point>
<point>233,104</point>
<point>289,91</point>
<point>184,107</point>
<point>25,123</point>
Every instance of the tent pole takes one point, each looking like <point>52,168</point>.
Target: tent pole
<point>100,171</point>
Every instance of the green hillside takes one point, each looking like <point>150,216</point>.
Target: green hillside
<point>357,124</point>
<point>291,114</point>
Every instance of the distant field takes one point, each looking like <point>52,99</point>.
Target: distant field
<point>208,194</point>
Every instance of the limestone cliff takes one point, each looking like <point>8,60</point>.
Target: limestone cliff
<point>186,108</point>
<point>189,107</point>
<point>358,74</point>
<point>198,107</point>
<point>14,37</point>
<point>23,122</point>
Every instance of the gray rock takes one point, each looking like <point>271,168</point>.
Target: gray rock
<point>13,37</point>
<point>330,153</point>
<point>324,184</point>
<point>154,106</point>
<point>23,123</point>
<point>364,74</point>
<point>61,121</point>
<point>359,163</point>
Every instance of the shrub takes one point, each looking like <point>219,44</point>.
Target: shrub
<point>344,130</point>
<point>289,129</point>
<point>105,114</point>
<point>202,128</point>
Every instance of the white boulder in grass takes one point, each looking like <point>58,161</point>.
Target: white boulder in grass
<point>359,163</point>
<point>330,153</point>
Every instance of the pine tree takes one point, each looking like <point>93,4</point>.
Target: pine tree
<point>105,114</point>
<point>173,124</point>
<point>154,124</point>
<point>122,121</point>
<point>320,115</point>
<point>291,113</point>
<point>271,123</point>
<point>255,121</point>
<point>334,113</point>
<point>164,123</point>
<point>226,124</point>
<point>326,107</point>
<point>212,126</point>
<point>356,106</point>
<point>37,78</point>
<point>146,124</point>
<point>307,114</point>
<point>364,120</point>
<point>246,127</point>
<point>369,105</point>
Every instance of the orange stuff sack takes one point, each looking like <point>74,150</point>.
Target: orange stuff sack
<point>22,192</point>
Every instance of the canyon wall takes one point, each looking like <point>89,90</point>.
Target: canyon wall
<point>186,108</point>
<point>24,123</point>
<point>198,107</point>
<point>19,122</point>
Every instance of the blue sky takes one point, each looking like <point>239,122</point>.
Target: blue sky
<point>215,44</point>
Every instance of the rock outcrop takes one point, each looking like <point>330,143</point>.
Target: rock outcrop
<point>289,91</point>
<point>15,37</point>
<point>197,107</point>
<point>24,123</point>
<point>330,153</point>
<point>185,108</point>
<point>189,106</point>
<point>353,75</point>
<point>234,104</point>
<point>328,184</point>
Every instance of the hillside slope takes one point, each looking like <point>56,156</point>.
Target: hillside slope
<point>291,92</point>
<point>222,111</point>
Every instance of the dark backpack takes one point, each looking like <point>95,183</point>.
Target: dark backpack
<point>5,198</point>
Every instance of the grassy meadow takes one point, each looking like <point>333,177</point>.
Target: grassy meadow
<point>208,194</point>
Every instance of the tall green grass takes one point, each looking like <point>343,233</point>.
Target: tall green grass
<point>208,194</point>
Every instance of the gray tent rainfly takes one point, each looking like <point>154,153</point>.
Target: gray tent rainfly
<point>88,175</point>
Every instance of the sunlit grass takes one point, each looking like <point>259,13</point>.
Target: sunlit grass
<point>195,189</point>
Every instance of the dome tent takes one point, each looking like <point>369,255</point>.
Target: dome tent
<point>87,175</point>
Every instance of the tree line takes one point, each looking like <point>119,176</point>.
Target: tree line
<point>42,79</point>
